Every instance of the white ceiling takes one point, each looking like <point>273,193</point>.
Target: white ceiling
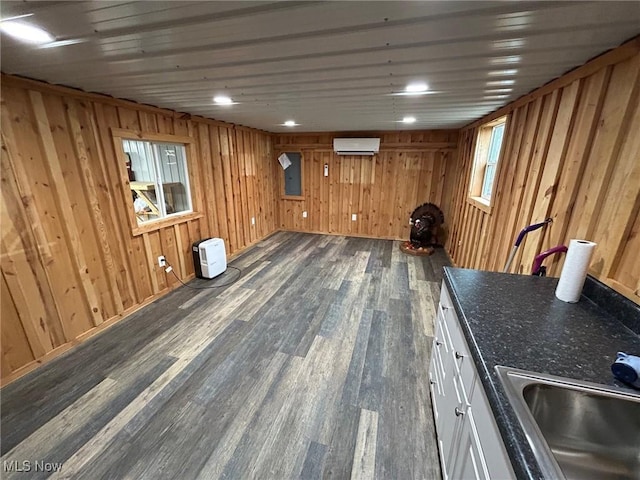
<point>330,66</point>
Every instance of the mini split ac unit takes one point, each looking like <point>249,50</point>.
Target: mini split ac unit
<point>356,146</point>
<point>209,257</point>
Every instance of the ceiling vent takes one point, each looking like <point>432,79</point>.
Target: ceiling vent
<point>356,146</point>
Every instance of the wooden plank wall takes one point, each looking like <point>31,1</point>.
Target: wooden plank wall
<point>411,168</point>
<point>70,264</point>
<point>572,153</point>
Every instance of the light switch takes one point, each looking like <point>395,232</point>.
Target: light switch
<point>354,217</point>
<point>253,220</point>
<point>304,214</point>
<point>326,169</point>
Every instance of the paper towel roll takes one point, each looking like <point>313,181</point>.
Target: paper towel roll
<point>574,271</point>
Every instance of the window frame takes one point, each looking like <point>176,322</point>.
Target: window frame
<point>283,193</point>
<point>118,135</point>
<point>482,148</point>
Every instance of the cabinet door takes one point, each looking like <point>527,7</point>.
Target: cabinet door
<point>435,371</point>
<point>445,393</point>
<point>462,358</point>
<point>448,425</point>
<point>444,344</point>
<point>498,463</point>
<point>435,385</point>
<point>436,368</point>
<point>469,463</point>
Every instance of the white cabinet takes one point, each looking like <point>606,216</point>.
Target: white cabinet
<point>470,461</point>
<point>469,442</point>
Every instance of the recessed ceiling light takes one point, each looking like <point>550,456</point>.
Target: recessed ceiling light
<point>412,94</point>
<point>498,83</point>
<point>290,123</point>
<point>419,87</point>
<point>25,32</point>
<point>222,100</point>
<point>409,120</point>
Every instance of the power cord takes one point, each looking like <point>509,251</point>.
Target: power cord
<point>170,269</point>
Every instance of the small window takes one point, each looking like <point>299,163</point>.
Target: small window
<point>292,165</point>
<point>488,148</point>
<point>158,178</point>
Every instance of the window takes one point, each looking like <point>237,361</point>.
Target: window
<point>487,155</point>
<point>158,179</point>
<point>292,166</point>
<point>495,143</point>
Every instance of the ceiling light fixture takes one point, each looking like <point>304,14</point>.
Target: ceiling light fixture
<point>290,123</point>
<point>222,100</point>
<point>409,120</point>
<point>25,32</point>
<point>412,94</point>
<point>416,88</point>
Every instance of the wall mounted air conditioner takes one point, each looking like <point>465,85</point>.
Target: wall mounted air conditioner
<point>209,258</point>
<point>356,146</point>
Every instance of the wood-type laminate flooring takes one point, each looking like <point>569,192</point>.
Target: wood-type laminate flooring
<point>313,365</point>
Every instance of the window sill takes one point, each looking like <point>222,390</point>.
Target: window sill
<point>293,197</point>
<point>164,223</point>
<point>480,203</point>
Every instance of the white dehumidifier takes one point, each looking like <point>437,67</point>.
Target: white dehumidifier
<point>209,257</point>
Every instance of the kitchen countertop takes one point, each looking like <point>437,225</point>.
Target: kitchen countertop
<point>516,321</point>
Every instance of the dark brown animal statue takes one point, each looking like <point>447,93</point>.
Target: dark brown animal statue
<point>425,221</point>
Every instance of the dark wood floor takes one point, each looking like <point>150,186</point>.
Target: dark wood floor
<point>314,364</point>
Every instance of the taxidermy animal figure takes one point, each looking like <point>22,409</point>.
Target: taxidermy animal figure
<point>425,221</point>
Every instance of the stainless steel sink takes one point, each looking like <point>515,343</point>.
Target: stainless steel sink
<point>577,430</point>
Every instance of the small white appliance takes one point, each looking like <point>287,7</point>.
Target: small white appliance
<point>209,257</point>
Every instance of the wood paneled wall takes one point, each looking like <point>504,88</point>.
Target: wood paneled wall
<point>410,169</point>
<point>70,263</point>
<point>572,153</point>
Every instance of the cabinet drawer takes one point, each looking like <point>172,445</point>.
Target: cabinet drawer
<point>460,351</point>
<point>445,299</point>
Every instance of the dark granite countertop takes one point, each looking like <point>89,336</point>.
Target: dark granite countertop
<point>516,321</point>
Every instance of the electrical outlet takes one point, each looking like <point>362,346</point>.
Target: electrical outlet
<point>304,214</point>
<point>253,220</point>
<point>354,217</point>
<point>162,261</point>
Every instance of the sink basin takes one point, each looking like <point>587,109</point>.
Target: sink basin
<point>577,430</point>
